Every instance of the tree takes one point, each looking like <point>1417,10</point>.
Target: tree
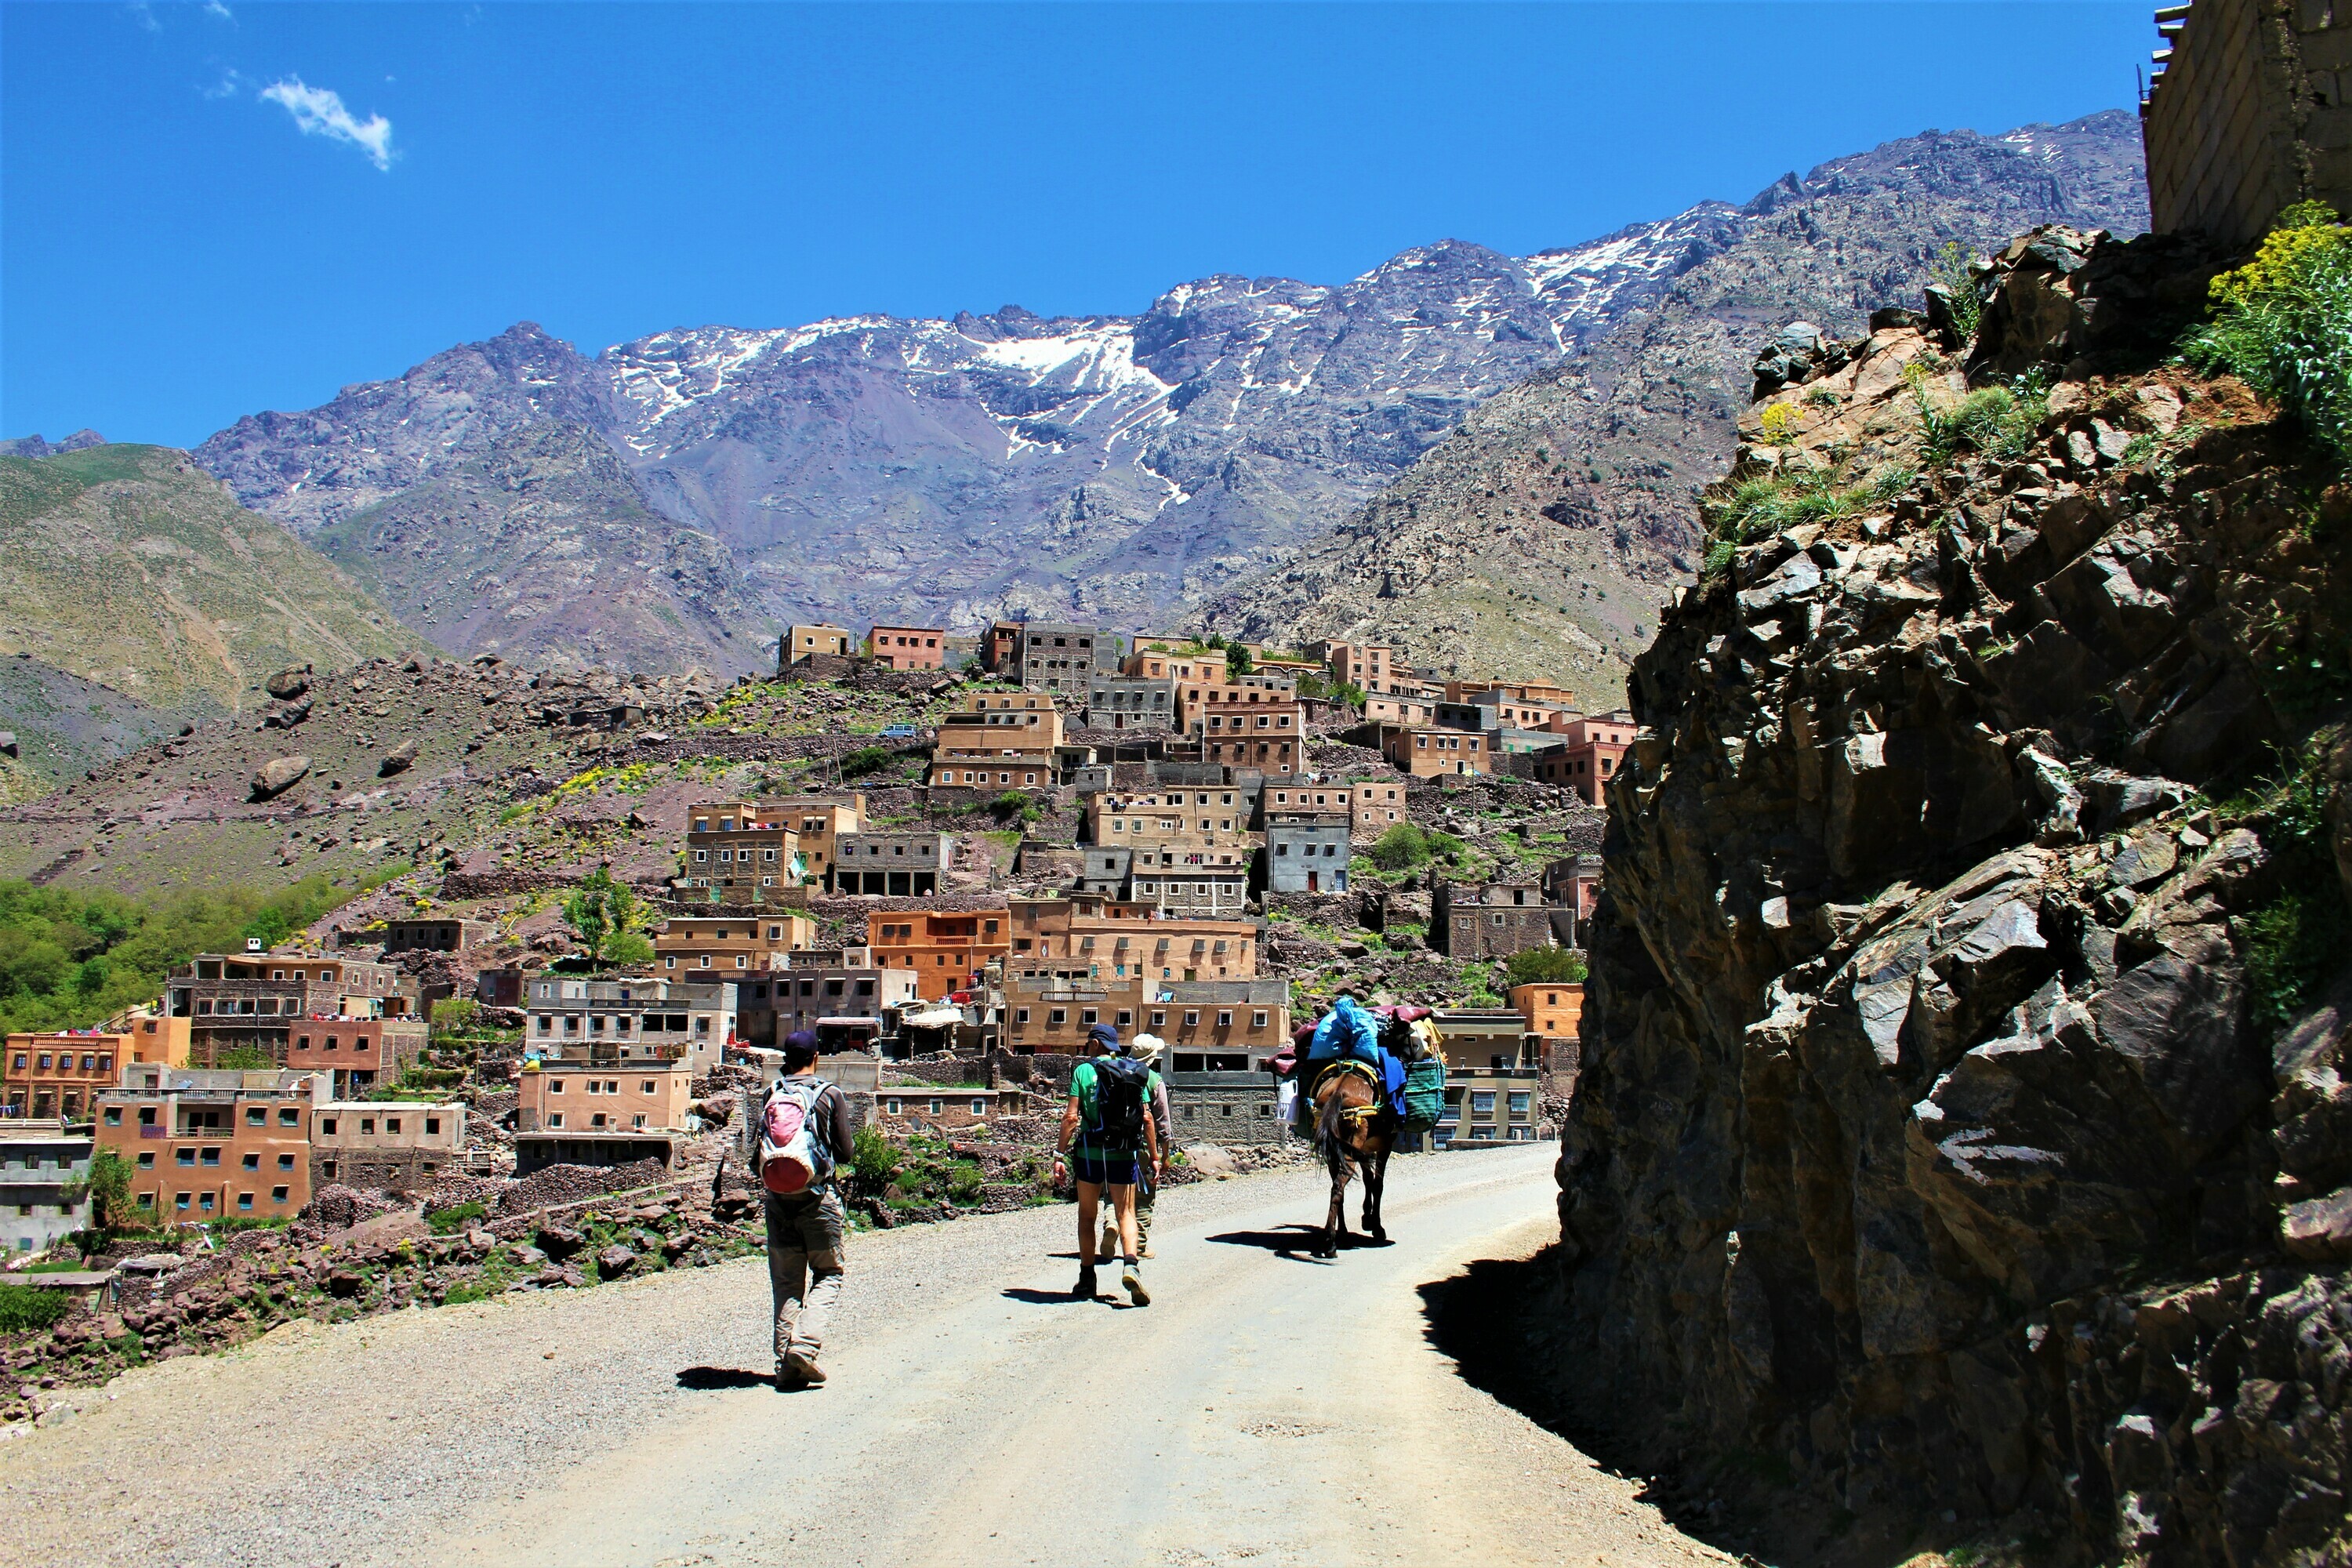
<point>110,1190</point>
<point>1545,966</point>
<point>1238,662</point>
<point>600,911</point>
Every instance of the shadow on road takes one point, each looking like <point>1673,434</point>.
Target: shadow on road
<point>1029,1297</point>
<point>704,1379</point>
<point>1282,1242</point>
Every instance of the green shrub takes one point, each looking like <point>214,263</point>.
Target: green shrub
<point>1954,267</point>
<point>867,760</point>
<point>2293,944</point>
<point>964,1181</point>
<point>873,1161</point>
<point>24,1309</point>
<point>2283,324</point>
<point>2001,422</point>
<point>1545,966</point>
<point>455,1218</point>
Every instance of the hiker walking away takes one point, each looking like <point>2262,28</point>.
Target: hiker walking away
<point>805,1137</point>
<point>1106,1130</point>
<point>1146,1049</point>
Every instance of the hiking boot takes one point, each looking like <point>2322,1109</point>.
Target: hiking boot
<point>802,1366</point>
<point>786,1379</point>
<point>1133,1280</point>
<point>1084,1288</point>
<point>1110,1247</point>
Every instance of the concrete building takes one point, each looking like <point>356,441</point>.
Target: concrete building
<point>1428,753</point>
<point>1050,656</point>
<point>1224,1107</point>
<point>945,949</point>
<point>894,865</point>
<point>741,852</point>
<point>1409,711</point>
<point>1270,739</point>
<point>1192,889</point>
<point>999,647</point>
<point>908,647</point>
<point>1128,702</point>
<point>43,1167</point>
<point>386,1145</point>
<point>1106,869</point>
<point>1573,883</point>
<point>1127,940</point>
<point>1585,769</point>
<point>1494,1077</point>
<point>207,1144</point>
<point>58,1076</point>
<point>433,933</point>
<point>1218,1026</point>
<point>998,740</point>
<point>351,1056</point>
<point>712,948</point>
<point>1471,922</point>
<point>641,1019</point>
<point>2249,110</point>
<point>950,1107</point>
<point>1053,1013</point>
<point>1371,667</point>
<point>1306,852</point>
<point>251,1000</point>
<point>816,995</point>
<point>596,1114</point>
<point>1219,692</point>
<point>806,642</point>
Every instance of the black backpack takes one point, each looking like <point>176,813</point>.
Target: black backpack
<point>1119,1085</point>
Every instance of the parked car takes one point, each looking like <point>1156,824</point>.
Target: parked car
<point>900,733</point>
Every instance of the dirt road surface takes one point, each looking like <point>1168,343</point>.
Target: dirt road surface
<point>1266,1410</point>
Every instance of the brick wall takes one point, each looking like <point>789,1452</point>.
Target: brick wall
<point>2250,115</point>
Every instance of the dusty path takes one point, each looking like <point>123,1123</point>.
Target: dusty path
<point>1266,1410</point>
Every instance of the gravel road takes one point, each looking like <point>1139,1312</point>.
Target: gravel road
<point>1266,1410</point>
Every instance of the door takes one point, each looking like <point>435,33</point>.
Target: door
<point>1313,881</point>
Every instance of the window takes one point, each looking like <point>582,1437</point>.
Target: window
<point>183,1156</point>
<point>115,1116</point>
<point>180,1200</point>
<point>555,1119</point>
<point>979,1108</point>
<point>1519,1100</point>
<point>555,1085</point>
<point>204,1202</point>
<point>278,1195</point>
<point>212,1156</point>
<point>253,1162</point>
<point>1058,1015</point>
<point>896,1107</point>
<point>1257,1020</point>
<point>146,1159</point>
<point>1021,1014</point>
<point>244,1200</point>
<point>432,1126</point>
<point>1482,1102</point>
<point>284,1162</point>
<point>648,1086</point>
<point>367,1124</point>
<point>289,1116</point>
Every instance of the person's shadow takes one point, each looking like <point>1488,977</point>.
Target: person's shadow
<point>708,1379</point>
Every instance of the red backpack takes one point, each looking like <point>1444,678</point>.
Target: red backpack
<point>796,1154</point>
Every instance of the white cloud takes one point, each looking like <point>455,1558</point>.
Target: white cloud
<point>144,14</point>
<point>218,12</point>
<point>320,112</point>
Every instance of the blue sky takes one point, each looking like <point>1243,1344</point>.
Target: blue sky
<point>211,208</point>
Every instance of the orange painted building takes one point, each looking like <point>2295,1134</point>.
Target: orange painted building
<point>1271,738</point>
<point>59,1076</point>
<point>945,951</point>
<point>1113,939</point>
<point>1586,768</point>
<point>1551,1010</point>
<point>207,1144</point>
<point>908,647</point>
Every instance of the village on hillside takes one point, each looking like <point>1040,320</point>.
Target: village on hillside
<point>531,1073</point>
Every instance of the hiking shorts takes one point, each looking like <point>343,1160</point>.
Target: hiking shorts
<point>1115,1167</point>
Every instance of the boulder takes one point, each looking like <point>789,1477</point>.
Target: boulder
<point>278,775</point>
<point>288,683</point>
<point>397,760</point>
<point>615,1262</point>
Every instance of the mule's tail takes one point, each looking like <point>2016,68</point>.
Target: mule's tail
<point>1331,1130</point>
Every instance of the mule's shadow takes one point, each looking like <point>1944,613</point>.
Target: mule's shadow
<point>1284,1242</point>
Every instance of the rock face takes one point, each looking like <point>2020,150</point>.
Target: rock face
<point>670,500</point>
<point>1955,1125</point>
<point>1538,541</point>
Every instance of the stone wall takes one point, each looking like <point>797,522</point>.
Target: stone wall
<point>2253,112</point>
<point>1229,1109</point>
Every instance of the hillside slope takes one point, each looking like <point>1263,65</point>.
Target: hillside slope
<point>66,726</point>
<point>1122,468</point>
<point>130,567</point>
<point>1540,538</point>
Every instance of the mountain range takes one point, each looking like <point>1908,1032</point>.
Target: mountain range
<point>673,500</point>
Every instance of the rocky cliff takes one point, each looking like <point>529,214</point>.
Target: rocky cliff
<point>1962,1134</point>
<point>1536,542</point>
